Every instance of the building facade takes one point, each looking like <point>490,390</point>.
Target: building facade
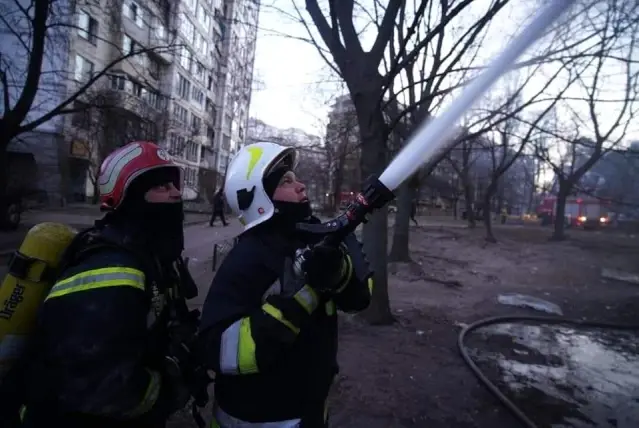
<point>169,84</point>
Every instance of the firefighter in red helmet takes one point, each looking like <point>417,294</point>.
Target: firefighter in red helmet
<point>101,355</point>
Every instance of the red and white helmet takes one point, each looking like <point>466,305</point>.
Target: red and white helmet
<point>124,165</point>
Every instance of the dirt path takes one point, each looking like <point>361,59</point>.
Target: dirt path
<point>411,375</point>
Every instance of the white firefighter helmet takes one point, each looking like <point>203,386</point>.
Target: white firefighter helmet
<point>244,187</point>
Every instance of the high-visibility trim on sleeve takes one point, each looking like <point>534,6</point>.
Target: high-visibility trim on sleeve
<point>150,396</point>
<point>237,350</point>
<point>370,286</point>
<point>98,278</point>
<point>307,298</point>
<point>278,315</point>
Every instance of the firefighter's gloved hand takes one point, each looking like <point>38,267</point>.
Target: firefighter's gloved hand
<point>324,267</point>
<point>174,380</point>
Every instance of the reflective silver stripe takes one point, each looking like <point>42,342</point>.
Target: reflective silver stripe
<point>111,171</point>
<point>83,280</point>
<point>224,420</point>
<point>306,298</point>
<point>229,349</point>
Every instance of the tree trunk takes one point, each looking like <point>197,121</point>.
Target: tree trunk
<point>560,211</point>
<point>96,193</point>
<point>488,215</point>
<point>337,184</point>
<point>375,239</point>
<point>373,161</point>
<point>400,248</point>
<point>470,205</point>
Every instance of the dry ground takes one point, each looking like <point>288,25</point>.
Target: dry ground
<point>410,374</point>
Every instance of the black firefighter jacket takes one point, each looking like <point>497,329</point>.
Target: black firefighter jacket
<point>272,347</point>
<point>99,348</point>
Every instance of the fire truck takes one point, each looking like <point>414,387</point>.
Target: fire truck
<point>583,212</point>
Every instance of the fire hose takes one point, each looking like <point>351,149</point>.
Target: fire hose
<point>501,397</point>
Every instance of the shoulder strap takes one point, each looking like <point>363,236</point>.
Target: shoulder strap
<point>92,241</point>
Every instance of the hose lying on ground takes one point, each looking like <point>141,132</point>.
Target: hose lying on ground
<point>516,411</point>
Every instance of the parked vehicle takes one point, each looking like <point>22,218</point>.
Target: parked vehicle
<point>21,175</point>
<point>582,212</point>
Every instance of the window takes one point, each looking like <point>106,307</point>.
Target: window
<point>134,12</point>
<point>88,27</point>
<point>191,4</point>
<point>198,96</point>
<point>199,71</point>
<point>134,88</point>
<point>154,99</point>
<point>190,177</point>
<point>204,18</point>
<point>185,57</point>
<point>187,29</point>
<point>82,118</point>
<point>117,82</point>
<point>203,46</point>
<point>191,151</point>
<point>83,68</point>
<point>196,125</point>
<point>130,46</point>
<point>154,67</point>
<point>176,145</point>
<point>180,113</point>
<point>160,29</point>
<point>184,87</point>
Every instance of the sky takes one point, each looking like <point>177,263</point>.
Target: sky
<point>293,85</point>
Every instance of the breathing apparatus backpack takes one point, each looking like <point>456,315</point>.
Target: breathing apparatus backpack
<point>31,273</point>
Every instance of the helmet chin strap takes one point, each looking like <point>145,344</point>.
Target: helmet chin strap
<point>289,213</point>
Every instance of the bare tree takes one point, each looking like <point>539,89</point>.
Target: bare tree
<point>41,80</point>
<point>101,125</point>
<point>605,105</point>
<point>342,148</point>
<point>368,87</point>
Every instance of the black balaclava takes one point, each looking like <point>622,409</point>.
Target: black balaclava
<point>286,213</point>
<point>159,225</point>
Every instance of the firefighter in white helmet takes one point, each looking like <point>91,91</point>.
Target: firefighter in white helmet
<point>269,333</point>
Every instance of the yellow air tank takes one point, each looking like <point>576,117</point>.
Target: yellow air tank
<point>29,278</point>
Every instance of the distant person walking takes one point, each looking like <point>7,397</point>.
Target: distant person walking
<point>413,212</point>
<point>218,208</point>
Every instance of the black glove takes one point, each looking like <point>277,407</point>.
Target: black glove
<point>324,267</point>
<point>176,384</point>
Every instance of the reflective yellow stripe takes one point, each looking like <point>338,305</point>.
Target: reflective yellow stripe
<point>23,412</point>
<point>98,278</point>
<point>370,286</point>
<point>150,396</point>
<point>256,153</point>
<point>347,272</point>
<point>307,298</point>
<point>277,314</point>
<point>237,350</point>
<point>247,363</point>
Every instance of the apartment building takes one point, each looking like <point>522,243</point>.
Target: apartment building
<point>173,88</point>
<point>235,78</point>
